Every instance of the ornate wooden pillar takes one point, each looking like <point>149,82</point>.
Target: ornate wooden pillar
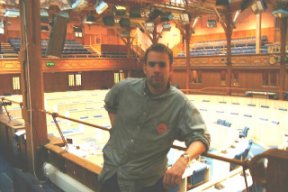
<point>228,32</point>
<point>32,78</point>
<point>227,24</point>
<point>282,70</point>
<point>188,66</point>
<point>258,32</point>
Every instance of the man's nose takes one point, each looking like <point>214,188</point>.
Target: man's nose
<point>157,68</point>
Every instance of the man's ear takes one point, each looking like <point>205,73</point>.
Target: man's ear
<point>171,68</point>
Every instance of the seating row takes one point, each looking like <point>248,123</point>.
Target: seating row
<point>70,46</point>
<point>222,51</point>
<point>239,42</point>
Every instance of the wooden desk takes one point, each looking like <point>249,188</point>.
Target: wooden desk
<point>85,170</point>
<point>261,94</point>
<point>8,142</point>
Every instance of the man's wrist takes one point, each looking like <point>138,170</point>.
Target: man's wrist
<point>186,156</point>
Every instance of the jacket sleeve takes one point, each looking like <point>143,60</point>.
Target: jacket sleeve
<point>191,126</point>
<point>112,98</point>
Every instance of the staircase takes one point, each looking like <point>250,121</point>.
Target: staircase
<point>96,48</point>
<point>138,51</point>
<point>7,51</point>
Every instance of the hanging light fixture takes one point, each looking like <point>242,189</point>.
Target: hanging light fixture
<point>101,7</point>
<point>90,18</point>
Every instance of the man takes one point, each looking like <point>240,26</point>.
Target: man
<point>147,115</point>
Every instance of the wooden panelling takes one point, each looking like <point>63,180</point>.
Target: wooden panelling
<point>248,79</point>
<point>286,81</point>
<point>251,61</point>
<point>54,82</point>
<point>97,80</point>
<point>137,73</point>
<point>211,78</point>
<point>254,60</point>
<point>8,66</point>
<point>106,48</point>
<point>209,61</point>
<point>6,86</point>
<point>98,73</point>
<point>179,78</point>
<point>96,64</point>
<point>215,61</point>
<point>57,82</point>
<point>71,65</point>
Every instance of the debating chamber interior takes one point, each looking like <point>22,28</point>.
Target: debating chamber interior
<point>59,59</point>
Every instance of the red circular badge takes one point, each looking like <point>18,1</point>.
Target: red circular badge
<point>162,128</point>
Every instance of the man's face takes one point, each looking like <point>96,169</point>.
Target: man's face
<point>157,70</point>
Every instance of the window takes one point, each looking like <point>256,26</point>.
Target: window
<point>269,78</point>
<point>211,23</point>
<point>16,83</point>
<point>235,78</point>
<point>196,77</point>
<point>78,31</point>
<point>78,34</point>
<point>119,76</point>
<point>75,80</point>
<point>2,30</point>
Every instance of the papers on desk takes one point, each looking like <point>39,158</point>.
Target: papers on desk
<point>20,132</point>
<point>89,147</point>
<point>74,131</point>
<point>78,152</point>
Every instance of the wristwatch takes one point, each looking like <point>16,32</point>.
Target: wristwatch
<point>186,156</point>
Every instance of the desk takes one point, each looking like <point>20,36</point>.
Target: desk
<point>233,184</point>
<point>261,94</point>
<point>7,135</point>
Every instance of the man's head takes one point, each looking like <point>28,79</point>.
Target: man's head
<point>158,67</point>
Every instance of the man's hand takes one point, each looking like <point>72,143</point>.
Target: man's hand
<point>174,174</point>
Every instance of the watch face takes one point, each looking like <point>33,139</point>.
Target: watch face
<point>186,156</point>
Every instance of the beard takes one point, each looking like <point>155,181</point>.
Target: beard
<point>157,82</point>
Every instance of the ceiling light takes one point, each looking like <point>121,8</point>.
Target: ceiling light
<point>101,7</point>
<point>90,19</point>
<point>280,13</point>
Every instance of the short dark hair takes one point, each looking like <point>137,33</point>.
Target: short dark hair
<point>161,48</point>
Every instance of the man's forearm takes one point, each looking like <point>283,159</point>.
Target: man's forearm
<point>174,174</point>
<point>195,149</point>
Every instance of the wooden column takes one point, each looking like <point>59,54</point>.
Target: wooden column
<point>188,66</point>
<point>258,33</point>
<point>227,24</point>
<point>282,72</point>
<point>128,45</point>
<point>6,31</point>
<point>129,51</point>
<point>156,35</point>
<point>32,78</point>
<point>228,32</point>
<point>83,32</point>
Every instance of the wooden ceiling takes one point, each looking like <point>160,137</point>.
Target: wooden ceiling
<point>193,7</point>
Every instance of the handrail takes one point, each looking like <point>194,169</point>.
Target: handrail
<point>16,102</point>
<point>5,106</point>
<point>205,90</point>
<point>235,161</point>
